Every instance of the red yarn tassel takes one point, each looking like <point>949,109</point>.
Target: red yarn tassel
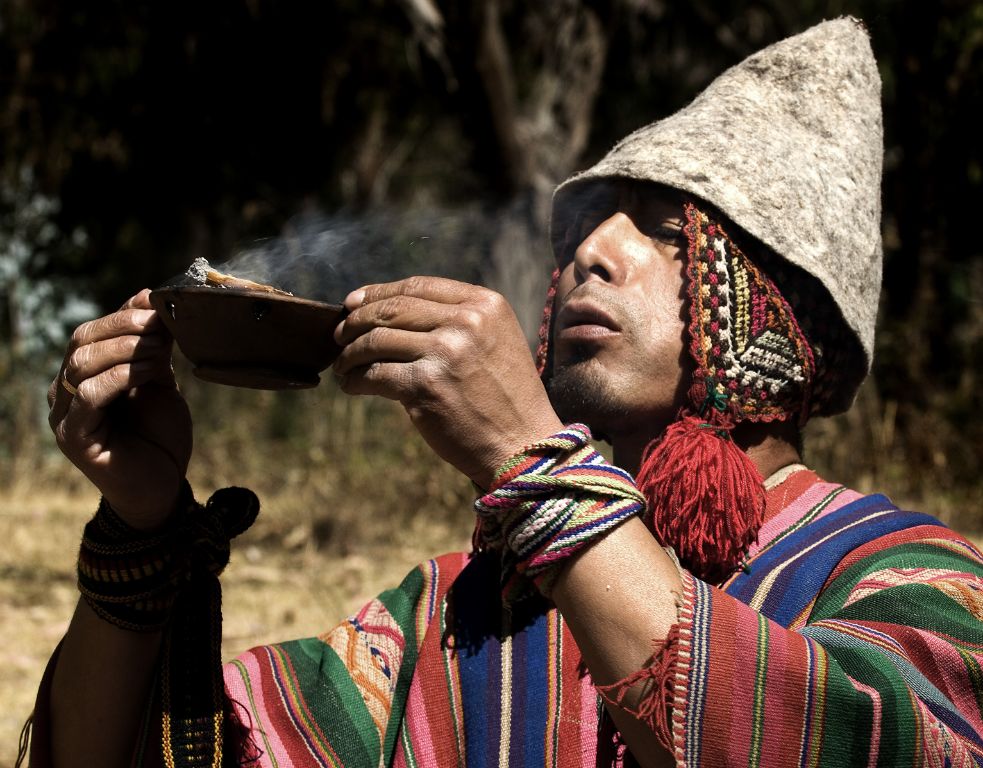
<point>546,324</point>
<point>706,497</point>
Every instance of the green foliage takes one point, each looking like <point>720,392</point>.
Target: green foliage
<point>36,308</point>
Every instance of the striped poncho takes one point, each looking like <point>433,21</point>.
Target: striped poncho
<point>852,636</point>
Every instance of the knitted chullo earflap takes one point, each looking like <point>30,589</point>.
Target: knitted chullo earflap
<point>705,496</point>
<point>753,363</point>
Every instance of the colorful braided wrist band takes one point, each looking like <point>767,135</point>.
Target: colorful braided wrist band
<point>168,580</point>
<point>547,503</point>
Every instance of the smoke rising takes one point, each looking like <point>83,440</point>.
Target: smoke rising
<point>324,257</point>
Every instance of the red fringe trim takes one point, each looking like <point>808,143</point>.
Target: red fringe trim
<point>655,703</point>
<point>546,324</point>
<point>237,736</point>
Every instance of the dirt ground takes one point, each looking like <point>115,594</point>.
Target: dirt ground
<point>277,587</point>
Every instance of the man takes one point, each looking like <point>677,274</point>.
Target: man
<point>716,285</point>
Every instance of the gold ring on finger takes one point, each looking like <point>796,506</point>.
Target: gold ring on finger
<point>69,387</point>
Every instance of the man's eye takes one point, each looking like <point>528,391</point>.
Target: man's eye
<point>668,233</point>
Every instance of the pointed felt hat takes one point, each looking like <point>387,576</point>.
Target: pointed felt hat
<point>788,145</point>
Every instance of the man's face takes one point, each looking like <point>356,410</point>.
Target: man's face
<point>619,357</point>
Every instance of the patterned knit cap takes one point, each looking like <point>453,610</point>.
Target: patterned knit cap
<point>782,153</point>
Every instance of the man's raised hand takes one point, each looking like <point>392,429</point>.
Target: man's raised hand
<point>118,416</point>
<point>454,355</point>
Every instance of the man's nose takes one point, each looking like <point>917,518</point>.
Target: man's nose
<point>605,254</point>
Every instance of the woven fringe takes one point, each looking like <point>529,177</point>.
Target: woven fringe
<point>655,702</point>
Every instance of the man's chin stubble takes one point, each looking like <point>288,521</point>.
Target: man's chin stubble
<point>578,393</point>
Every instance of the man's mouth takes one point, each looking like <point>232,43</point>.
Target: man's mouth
<point>584,321</point>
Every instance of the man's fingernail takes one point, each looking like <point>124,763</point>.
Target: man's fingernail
<point>339,329</point>
<point>355,299</point>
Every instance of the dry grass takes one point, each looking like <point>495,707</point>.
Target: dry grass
<point>924,460</point>
<point>37,592</point>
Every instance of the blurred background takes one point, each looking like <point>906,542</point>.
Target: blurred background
<point>137,136</point>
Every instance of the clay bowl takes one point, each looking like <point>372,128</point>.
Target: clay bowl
<point>248,338</point>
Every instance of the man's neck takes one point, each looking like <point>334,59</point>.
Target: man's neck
<point>770,452</point>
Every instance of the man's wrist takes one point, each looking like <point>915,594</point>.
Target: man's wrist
<point>154,516</point>
<point>516,446</point>
<point>548,502</point>
<point>128,575</point>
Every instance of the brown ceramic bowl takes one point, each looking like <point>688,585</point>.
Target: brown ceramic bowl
<point>249,338</point>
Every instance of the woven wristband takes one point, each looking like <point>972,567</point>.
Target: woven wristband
<point>547,503</point>
<point>129,577</point>
<point>168,580</point>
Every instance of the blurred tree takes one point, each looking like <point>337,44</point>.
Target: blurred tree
<point>169,131</point>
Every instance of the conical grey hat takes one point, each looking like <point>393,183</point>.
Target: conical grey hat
<point>788,144</point>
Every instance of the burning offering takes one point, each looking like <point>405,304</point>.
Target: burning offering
<point>245,333</point>
<point>202,272</point>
